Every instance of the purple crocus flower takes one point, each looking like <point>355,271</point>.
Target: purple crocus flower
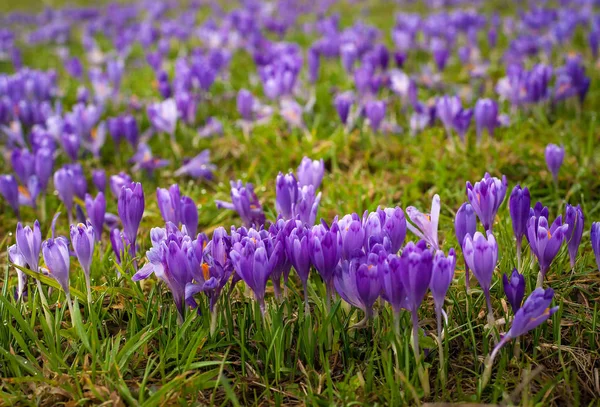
<point>386,227</point>
<point>198,167</point>
<point>535,311</point>
<point>99,180</point>
<point>447,108</point>
<point>189,215</point>
<point>82,239</point>
<point>163,116</point>
<point>117,182</point>
<point>353,236</point>
<point>375,112</point>
<point>131,208</point>
<point>441,278</point>
<point>325,249</point>
<point>96,211</point>
<point>545,241</point>
<point>486,116</point>
<point>43,166</point>
<point>481,255</point>
<point>440,51</point>
<point>519,205</point>
<point>310,172</point>
<point>425,225</point>
<point>298,253</point>
<point>9,188</point>
<point>216,268</point>
<point>595,239</point>
<point>29,243</point>
<point>307,206</point>
<point>245,202</point>
<point>575,219</point>
<point>169,203</point>
<point>56,256</point>
<point>245,105</point>
<point>286,192</point>
<point>465,223</point>
<point>117,242</point>
<point>392,287</point>
<point>485,197</point>
<point>64,184</point>
<point>314,62</point>
<point>343,102</point>
<point>18,259</point>
<point>514,288</point>
<point>169,260</point>
<point>254,264</point>
<point>359,284</point>
<point>554,159</point>
<point>416,264</point>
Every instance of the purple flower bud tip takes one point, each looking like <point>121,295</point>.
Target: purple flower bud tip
<point>481,255</point>
<point>595,239</point>
<point>514,288</point>
<point>82,240</point>
<point>554,159</point>
<point>131,208</point>
<point>575,220</point>
<point>519,205</point>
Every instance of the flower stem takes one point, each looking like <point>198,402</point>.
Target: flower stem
<point>423,376</point>
<point>213,320</point>
<point>438,312</point>
<point>540,279</point>
<point>519,253</point>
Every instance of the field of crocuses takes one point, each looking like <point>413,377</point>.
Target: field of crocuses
<point>296,202</point>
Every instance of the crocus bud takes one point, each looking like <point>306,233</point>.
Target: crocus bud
<point>17,259</point>
<point>343,102</point>
<point>189,215</point>
<point>325,248</point>
<point>353,236</point>
<point>375,112</point>
<point>307,205</point>
<point>44,163</point>
<point>99,180</point>
<point>486,116</point>
<point>96,211</point>
<point>169,203</point>
<point>310,172</point>
<point>514,288</point>
<point>9,188</point>
<point>56,256</point>
<point>595,239</point>
<point>314,63</point>
<point>131,209</point>
<point>82,239</point>
<point>519,205</point>
<point>29,244</point>
<point>245,104</point>
<point>64,182</point>
<point>574,219</point>
<point>297,250</point>
<point>554,159</point>
<point>117,244</point>
<point>286,190</point>
<point>117,182</point>
<point>441,276</point>
<point>465,222</point>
